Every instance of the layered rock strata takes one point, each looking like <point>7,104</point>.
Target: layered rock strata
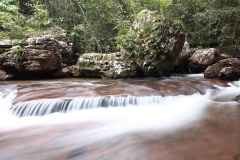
<point>36,56</point>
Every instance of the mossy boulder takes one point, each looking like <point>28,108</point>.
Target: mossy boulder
<point>227,69</point>
<point>154,42</point>
<point>229,73</point>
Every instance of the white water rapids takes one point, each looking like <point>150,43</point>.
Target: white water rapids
<point>169,112</point>
<point>127,113</point>
<point>107,117</point>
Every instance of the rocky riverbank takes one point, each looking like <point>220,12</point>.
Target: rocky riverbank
<point>146,51</point>
<point>36,57</point>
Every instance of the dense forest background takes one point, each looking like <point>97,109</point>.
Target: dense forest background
<point>97,25</point>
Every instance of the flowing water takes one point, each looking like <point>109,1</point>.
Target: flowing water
<point>182,117</point>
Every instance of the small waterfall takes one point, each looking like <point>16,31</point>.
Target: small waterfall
<point>45,107</point>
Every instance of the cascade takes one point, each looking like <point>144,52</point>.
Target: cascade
<point>120,119</point>
<point>45,107</point>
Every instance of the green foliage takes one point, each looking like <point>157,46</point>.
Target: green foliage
<point>3,55</point>
<point>9,16</point>
<point>209,23</point>
<point>39,18</point>
<point>91,24</point>
<point>102,20</point>
<point>9,6</point>
<point>11,19</point>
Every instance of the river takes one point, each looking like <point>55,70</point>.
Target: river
<point>182,117</point>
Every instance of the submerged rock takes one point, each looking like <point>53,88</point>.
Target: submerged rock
<point>227,69</point>
<point>36,55</point>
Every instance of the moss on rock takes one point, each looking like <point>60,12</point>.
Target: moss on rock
<point>106,65</point>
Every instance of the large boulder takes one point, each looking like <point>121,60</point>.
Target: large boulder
<point>154,43</point>
<point>203,58</point>
<point>36,55</point>
<point>227,69</point>
<point>161,63</point>
<point>112,65</point>
<point>54,43</point>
